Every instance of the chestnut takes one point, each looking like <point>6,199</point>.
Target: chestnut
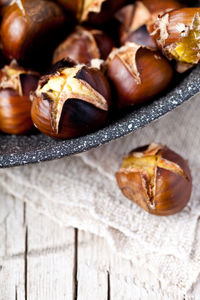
<point>71,101</point>
<point>30,31</point>
<point>16,84</point>
<point>92,11</point>
<point>177,35</point>
<point>83,45</point>
<point>136,18</point>
<point>133,19</point>
<point>156,178</point>
<point>137,73</point>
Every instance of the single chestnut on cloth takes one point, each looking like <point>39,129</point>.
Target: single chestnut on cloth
<point>30,30</point>
<point>156,178</point>
<point>135,18</point>
<point>137,73</point>
<point>72,101</point>
<point>83,45</point>
<point>16,84</point>
<point>177,35</point>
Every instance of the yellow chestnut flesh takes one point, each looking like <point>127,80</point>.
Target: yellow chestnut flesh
<point>178,35</point>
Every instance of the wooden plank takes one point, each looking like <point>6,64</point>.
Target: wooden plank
<point>50,259</point>
<point>92,267</point>
<point>12,279</point>
<point>103,274</point>
<point>42,260</point>
<point>12,245</point>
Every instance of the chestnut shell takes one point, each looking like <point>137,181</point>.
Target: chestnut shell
<point>172,191</point>
<point>15,117</point>
<point>78,117</point>
<point>83,45</point>
<point>140,36</point>
<point>27,35</point>
<point>15,108</point>
<point>155,74</point>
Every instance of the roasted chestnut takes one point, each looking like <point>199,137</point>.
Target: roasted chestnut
<point>16,84</point>
<point>177,35</point>
<point>31,30</point>
<point>137,73</point>
<point>135,18</point>
<point>83,45</point>
<point>157,179</point>
<point>71,101</point>
<point>92,11</point>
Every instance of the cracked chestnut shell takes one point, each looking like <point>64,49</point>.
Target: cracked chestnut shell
<point>137,73</point>
<point>135,19</point>
<point>30,31</point>
<point>72,101</point>
<point>16,84</point>
<point>83,45</point>
<point>92,11</point>
<point>157,179</point>
<point>177,35</point>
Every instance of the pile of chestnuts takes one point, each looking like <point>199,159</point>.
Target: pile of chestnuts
<point>68,66</point>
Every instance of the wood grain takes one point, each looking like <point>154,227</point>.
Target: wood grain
<point>41,260</point>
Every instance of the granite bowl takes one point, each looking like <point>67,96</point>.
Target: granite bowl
<point>20,150</point>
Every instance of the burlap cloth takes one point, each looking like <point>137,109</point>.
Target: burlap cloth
<point>81,191</point>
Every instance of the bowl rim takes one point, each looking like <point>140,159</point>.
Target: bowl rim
<point>129,123</point>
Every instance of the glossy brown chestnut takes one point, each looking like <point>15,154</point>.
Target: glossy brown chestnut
<point>92,11</point>
<point>135,18</point>
<point>72,101</point>
<point>157,179</point>
<point>30,30</point>
<point>83,45</point>
<point>15,104</point>
<point>137,73</point>
<point>177,35</point>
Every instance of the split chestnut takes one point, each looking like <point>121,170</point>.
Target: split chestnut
<point>177,35</point>
<point>156,178</point>
<point>135,20</point>
<point>72,101</point>
<point>83,45</point>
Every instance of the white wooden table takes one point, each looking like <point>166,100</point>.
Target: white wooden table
<point>41,260</point>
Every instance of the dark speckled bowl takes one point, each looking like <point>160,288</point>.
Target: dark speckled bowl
<point>20,150</point>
